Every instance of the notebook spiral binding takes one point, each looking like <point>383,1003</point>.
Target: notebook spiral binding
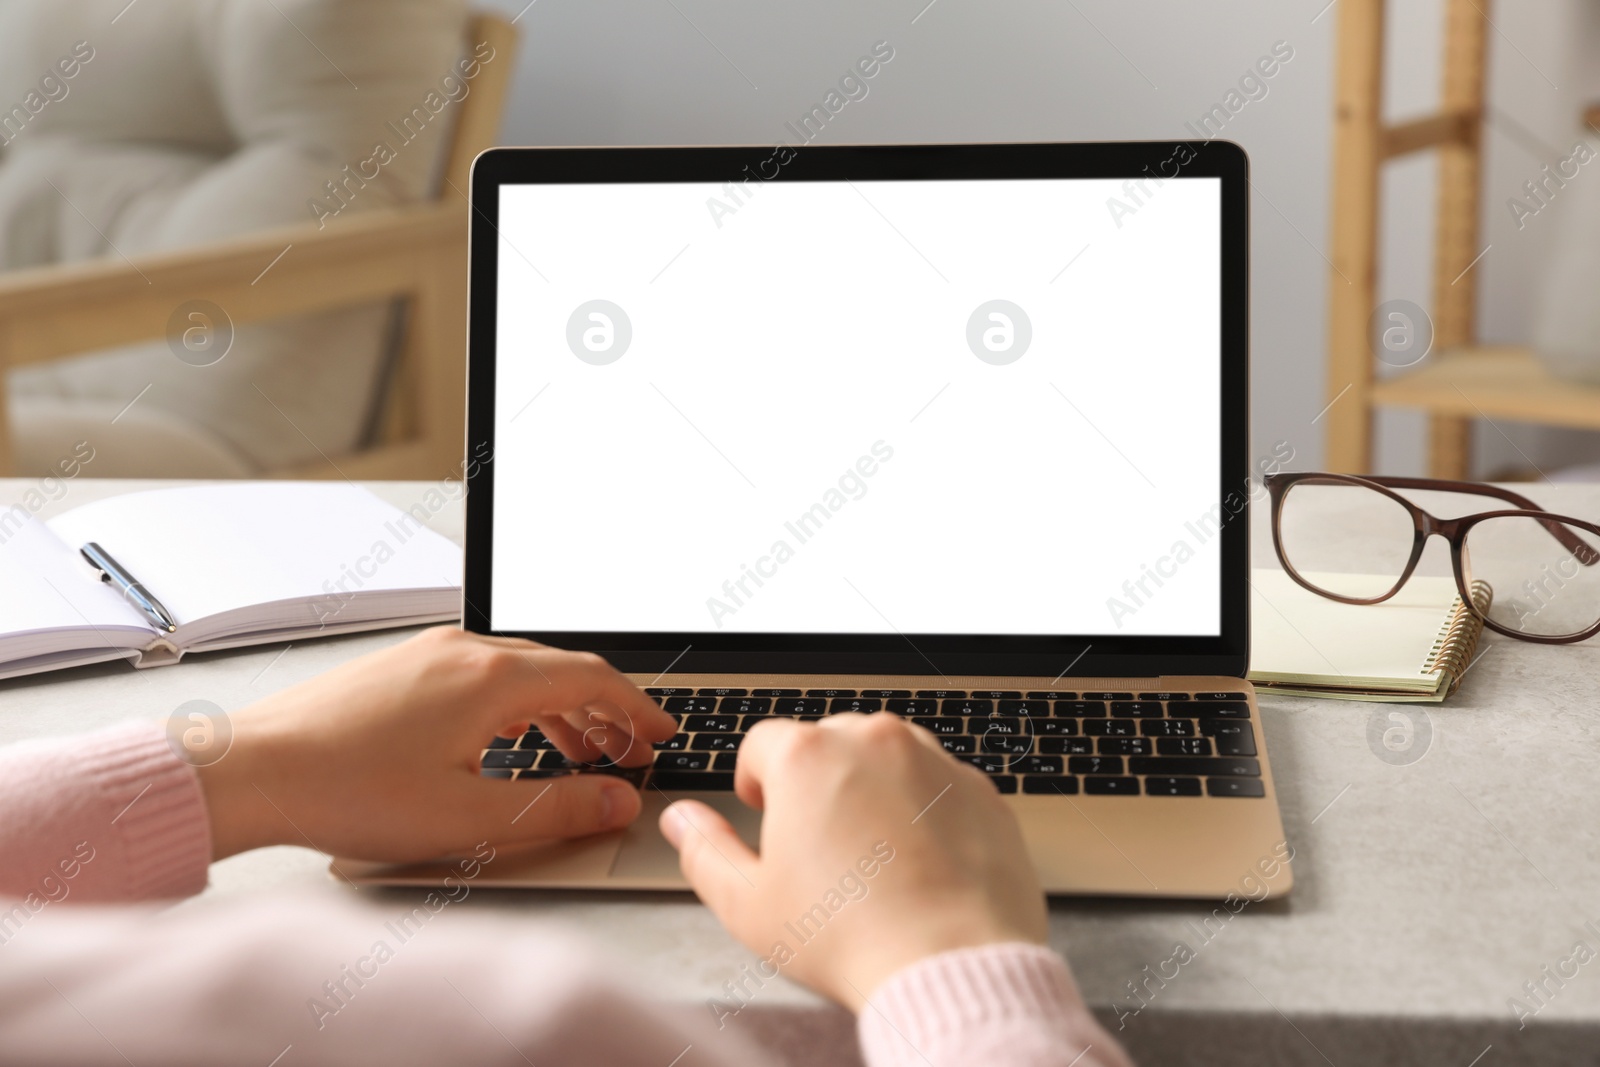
<point>1458,638</point>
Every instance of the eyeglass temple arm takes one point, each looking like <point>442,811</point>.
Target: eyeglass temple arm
<point>1569,540</point>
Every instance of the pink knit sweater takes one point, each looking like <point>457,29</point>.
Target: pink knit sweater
<point>115,817</point>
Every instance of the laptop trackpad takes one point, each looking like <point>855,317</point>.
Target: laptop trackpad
<point>645,854</point>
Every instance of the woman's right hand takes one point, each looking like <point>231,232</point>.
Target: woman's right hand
<point>878,849</point>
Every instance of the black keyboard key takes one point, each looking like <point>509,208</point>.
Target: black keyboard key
<point>1066,746</point>
<point>1108,696</point>
<point>682,781</point>
<point>502,742</point>
<point>1224,711</point>
<point>995,694</point>
<point>1198,765</point>
<point>998,724</point>
<point>1167,728</point>
<point>1037,765</point>
<point>532,773</point>
<point>830,693</point>
<point>1054,727</point>
<point>800,706</point>
<point>1000,744</point>
<point>723,692</point>
<point>995,764</point>
<point>965,707</point>
<point>692,705</point>
<point>919,706</point>
<point>1052,694</point>
<point>1094,765</point>
<point>1080,709</point>
<point>1172,787</point>
<point>675,743</point>
<point>1065,785</point>
<point>495,772</point>
<point>861,704</point>
<point>942,694</point>
<point>1103,786</point>
<point>1163,696</point>
<point>775,692</point>
<point>944,726</point>
<point>717,742</point>
<point>1231,738</point>
<point>534,739</point>
<point>1125,746</point>
<point>555,761</point>
<point>1031,709</point>
<point>1110,728</point>
<point>683,761</point>
<point>508,758</point>
<point>1136,709</point>
<point>1183,746</point>
<point>1220,709</point>
<point>1006,783</point>
<point>744,706</point>
<point>1221,696</point>
<point>805,718</point>
<point>726,724</point>
<point>725,761</point>
<point>886,694</point>
<point>961,746</point>
<point>1236,787</point>
<point>668,691</point>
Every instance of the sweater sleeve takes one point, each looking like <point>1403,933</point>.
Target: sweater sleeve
<point>316,979</point>
<point>113,815</point>
<point>1012,1005</point>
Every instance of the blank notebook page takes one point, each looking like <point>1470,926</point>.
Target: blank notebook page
<point>45,586</point>
<point>202,550</point>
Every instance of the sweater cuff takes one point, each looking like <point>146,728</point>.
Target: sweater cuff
<point>158,810</point>
<point>947,999</point>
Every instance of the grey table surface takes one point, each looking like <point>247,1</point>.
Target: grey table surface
<point>1431,886</point>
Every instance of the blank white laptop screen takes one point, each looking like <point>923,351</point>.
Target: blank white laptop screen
<point>917,407</point>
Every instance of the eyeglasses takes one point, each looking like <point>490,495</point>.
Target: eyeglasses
<point>1537,568</point>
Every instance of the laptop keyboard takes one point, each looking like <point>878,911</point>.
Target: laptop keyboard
<point>1096,743</point>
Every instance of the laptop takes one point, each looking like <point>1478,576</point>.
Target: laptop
<point>951,432</point>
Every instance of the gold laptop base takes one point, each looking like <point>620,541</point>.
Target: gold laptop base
<point>1137,846</point>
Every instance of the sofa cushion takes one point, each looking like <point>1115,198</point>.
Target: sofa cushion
<point>191,121</point>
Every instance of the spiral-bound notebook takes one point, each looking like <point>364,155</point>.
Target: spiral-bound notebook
<point>1412,648</point>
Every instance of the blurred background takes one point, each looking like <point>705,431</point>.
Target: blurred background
<point>215,125</point>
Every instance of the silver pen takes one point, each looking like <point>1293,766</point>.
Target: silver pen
<point>113,572</point>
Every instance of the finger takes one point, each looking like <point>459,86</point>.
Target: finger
<point>657,726</point>
<point>758,753</point>
<point>568,741</point>
<point>543,809</point>
<point>574,680</point>
<point>610,730</point>
<point>714,859</point>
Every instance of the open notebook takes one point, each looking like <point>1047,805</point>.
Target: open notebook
<point>1412,648</point>
<point>234,564</point>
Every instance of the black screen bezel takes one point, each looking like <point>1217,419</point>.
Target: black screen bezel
<point>1099,655</point>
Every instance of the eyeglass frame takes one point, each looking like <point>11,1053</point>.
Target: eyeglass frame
<point>1425,525</point>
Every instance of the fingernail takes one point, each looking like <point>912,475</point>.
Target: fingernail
<point>672,825</point>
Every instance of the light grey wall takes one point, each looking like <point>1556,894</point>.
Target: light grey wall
<point>717,72</point>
